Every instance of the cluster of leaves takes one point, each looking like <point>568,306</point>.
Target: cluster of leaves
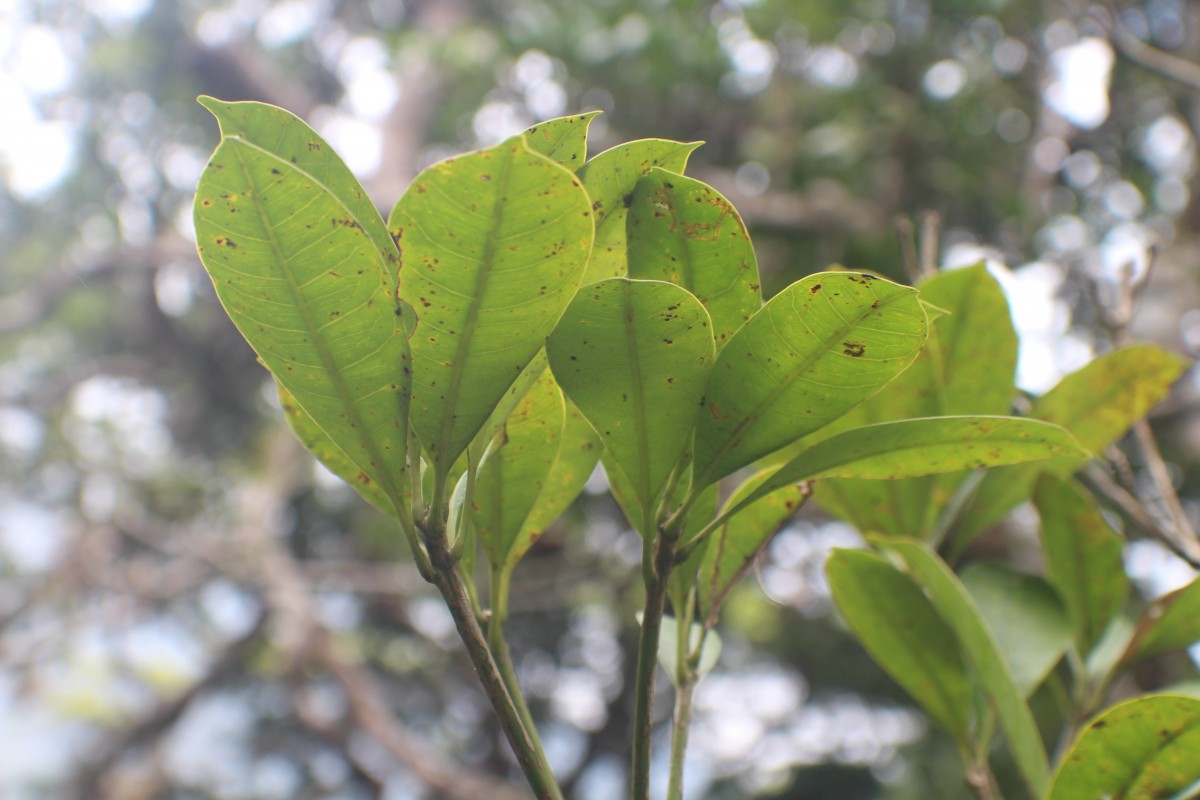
<point>974,647</point>
<point>526,313</point>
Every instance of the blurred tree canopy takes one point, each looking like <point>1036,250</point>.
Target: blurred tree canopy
<point>190,608</point>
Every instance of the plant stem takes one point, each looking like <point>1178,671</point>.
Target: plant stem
<point>679,737</point>
<point>686,663</point>
<point>663,552</point>
<point>449,583</point>
<point>500,652</point>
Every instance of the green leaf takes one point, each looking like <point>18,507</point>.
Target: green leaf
<point>610,179</point>
<point>683,231</point>
<point>967,367</point>
<point>519,388</point>
<point>668,650</point>
<point>928,446</point>
<point>623,492</point>
<point>904,633</point>
<point>818,348</point>
<point>736,544</point>
<point>563,140</point>
<point>982,652</point>
<point>317,442</point>
<point>1083,557</point>
<point>1026,617</point>
<point>494,245</point>
<point>976,355</point>
<point>513,474</point>
<point>284,134</point>
<point>290,251</point>
<point>578,452</point>
<point>1172,622</point>
<point>1142,748</point>
<point>634,357</point>
<point>1097,404</point>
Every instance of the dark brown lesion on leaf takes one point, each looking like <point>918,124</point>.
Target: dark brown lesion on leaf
<point>225,241</point>
<point>854,349</point>
<point>312,146</point>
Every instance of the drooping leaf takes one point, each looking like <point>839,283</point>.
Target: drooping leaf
<point>494,245</point>
<point>967,367</point>
<point>317,442</point>
<point>682,231</point>
<point>610,179</point>
<point>1172,622</point>
<point>1025,616</point>
<point>1143,748</point>
<point>927,446</point>
<point>1097,404</point>
<point>514,471</point>
<point>1083,557</point>
<point>905,634</point>
<point>563,140</point>
<point>982,652</point>
<point>288,244</point>
<point>634,357</point>
<point>736,544</point>
<point>668,648</point>
<point>818,348</point>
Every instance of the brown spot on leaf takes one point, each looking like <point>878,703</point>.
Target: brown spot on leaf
<point>854,349</point>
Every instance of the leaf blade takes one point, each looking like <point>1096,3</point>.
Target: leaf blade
<point>309,290</point>
<point>512,475</point>
<point>1145,747</point>
<point>563,140</point>
<point>634,357</point>
<point>824,344</point>
<point>682,231</point>
<point>494,244</point>
<point>904,633</point>
<point>1083,557</point>
<point>1025,616</point>
<point>980,649</point>
<point>967,367</point>
<point>610,179</point>
<point>1097,404</point>
<point>915,447</point>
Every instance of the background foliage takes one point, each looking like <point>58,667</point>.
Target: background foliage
<point>190,608</point>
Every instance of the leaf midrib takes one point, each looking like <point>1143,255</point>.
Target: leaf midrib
<point>382,476</point>
<point>462,350</point>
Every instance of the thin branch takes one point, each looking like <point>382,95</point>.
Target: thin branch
<point>88,782</point>
<point>1117,317</point>
<point>930,223</point>
<point>1164,63</point>
<point>906,235</point>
